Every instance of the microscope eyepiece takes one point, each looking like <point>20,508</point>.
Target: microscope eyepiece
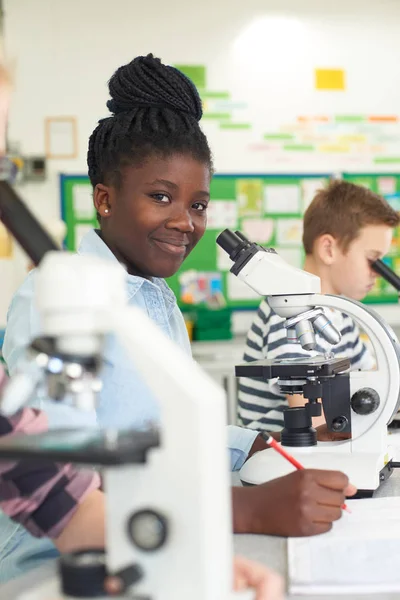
<point>232,242</point>
<point>242,237</point>
<point>387,273</point>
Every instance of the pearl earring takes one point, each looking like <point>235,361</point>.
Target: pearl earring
<point>106,211</point>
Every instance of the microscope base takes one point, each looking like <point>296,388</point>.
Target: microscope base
<point>365,470</point>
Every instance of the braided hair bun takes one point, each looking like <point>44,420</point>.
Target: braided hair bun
<point>155,110</point>
<point>146,83</point>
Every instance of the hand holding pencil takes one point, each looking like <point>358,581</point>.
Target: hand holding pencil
<point>276,446</point>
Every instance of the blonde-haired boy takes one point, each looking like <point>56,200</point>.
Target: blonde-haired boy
<point>346,228</point>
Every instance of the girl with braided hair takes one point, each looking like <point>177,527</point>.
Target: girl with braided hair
<point>150,167</point>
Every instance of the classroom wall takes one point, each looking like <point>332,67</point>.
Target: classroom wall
<point>263,52</point>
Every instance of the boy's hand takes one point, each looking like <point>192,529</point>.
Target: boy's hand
<point>300,504</point>
<point>267,584</point>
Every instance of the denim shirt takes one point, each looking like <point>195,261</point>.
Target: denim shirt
<point>125,400</point>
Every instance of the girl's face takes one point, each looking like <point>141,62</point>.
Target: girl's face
<point>158,215</point>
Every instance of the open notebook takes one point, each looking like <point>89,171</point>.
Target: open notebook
<point>361,554</point>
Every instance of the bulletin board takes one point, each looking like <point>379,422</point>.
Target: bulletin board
<point>268,209</point>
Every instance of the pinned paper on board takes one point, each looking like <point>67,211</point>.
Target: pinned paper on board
<point>289,232</point>
<point>258,230</point>
<point>83,202</point>
<point>396,265</point>
<point>282,199</point>
<point>330,79</point>
<point>6,243</point>
<point>222,214</point>
<point>386,185</point>
<point>249,193</point>
<point>309,189</point>
<point>395,245</point>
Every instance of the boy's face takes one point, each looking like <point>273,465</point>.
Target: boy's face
<point>158,215</point>
<point>351,272</point>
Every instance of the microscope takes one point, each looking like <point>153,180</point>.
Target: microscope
<point>168,536</point>
<point>360,404</point>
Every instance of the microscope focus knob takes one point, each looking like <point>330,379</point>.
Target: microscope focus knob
<point>148,530</point>
<point>365,401</point>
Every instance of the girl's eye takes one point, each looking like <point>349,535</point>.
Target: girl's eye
<point>160,198</point>
<point>200,206</point>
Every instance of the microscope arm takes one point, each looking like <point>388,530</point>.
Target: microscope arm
<point>186,478</point>
<point>23,225</point>
<point>192,458</point>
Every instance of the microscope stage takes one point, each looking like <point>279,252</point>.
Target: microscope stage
<point>84,446</point>
<point>318,366</point>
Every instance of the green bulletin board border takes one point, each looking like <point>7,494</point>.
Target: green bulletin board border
<point>206,248</point>
<point>67,183</point>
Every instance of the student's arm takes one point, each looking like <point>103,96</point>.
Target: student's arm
<point>267,584</point>
<point>56,501</point>
<point>241,445</point>
<point>302,503</point>
<point>86,526</point>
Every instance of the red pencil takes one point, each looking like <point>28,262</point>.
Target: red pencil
<point>274,444</point>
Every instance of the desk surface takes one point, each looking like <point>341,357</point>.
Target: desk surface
<point>271,551</point>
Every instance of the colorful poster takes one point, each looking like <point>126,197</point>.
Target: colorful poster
<point>258,230</point>
<point>282,199</point>
<point>222,214</point>
<point>249,194</point>
<point>289,232</point>
<point>330,79</point>
<point>309,189</point>
<point>386,185</point>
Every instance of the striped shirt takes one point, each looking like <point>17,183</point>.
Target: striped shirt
<point>261,403</point>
